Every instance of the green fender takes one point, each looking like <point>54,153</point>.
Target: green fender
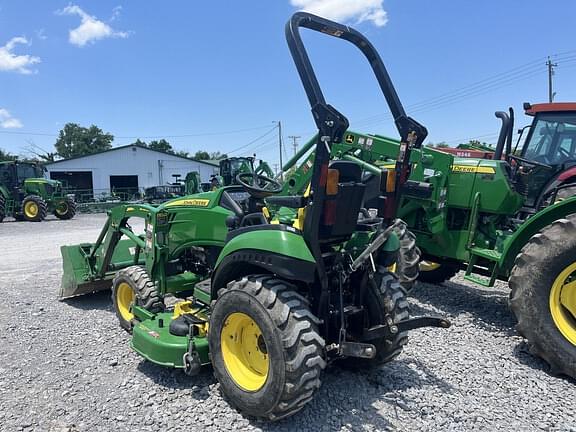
<point>540,220</point>
<point>277,249</point>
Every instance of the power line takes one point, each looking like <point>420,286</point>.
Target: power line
<point>253,141</point>
<point>518,73</point>
<point>145,136</point>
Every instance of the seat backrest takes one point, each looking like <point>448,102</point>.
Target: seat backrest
<point>349,171</point>
<point>346,204</point>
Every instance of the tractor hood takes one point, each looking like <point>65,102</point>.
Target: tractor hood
<point>53,183</point>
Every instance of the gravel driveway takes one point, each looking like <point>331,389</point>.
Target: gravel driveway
<point>67,366</point>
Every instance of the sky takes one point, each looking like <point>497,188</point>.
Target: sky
<point>218,75</point>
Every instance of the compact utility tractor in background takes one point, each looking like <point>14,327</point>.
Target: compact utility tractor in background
<point>216,279</point>
<point>190,185</point>
<point>26,195</point>
<point>512,217</point>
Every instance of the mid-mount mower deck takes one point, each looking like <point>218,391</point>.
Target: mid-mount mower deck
<point>216,278</point>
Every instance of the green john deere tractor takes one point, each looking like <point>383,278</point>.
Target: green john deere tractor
<point>214,280</point>
<point>178,188</point>
<point>231,167</point>
<point>26,195</point>
<point>512,218</point>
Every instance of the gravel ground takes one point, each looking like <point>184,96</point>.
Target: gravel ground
<point>67,366</point>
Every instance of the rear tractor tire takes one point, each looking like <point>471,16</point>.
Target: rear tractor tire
<point>132,286</point>
<point>408,263</point>
<point>2,208</point>
<point>543,295</point>
<point>266,349</point>
<point>34,208</point>
<point>567,192</point>
<point>436,273</point>
<point>66,209</point>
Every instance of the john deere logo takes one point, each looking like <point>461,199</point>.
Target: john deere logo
<point>189,202</point>
<point>349,138</point>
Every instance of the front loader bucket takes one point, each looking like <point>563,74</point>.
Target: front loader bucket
<point>77,274</point>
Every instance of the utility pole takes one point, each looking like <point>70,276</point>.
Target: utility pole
<point>294,142</point>
<point>280,147</point>
<point>551,67</point>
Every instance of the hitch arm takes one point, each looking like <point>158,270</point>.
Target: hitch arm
<point>380,331</point>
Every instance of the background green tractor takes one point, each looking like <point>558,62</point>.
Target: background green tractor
<point>269,304</point>
<point>231,167</point>
<point>512,217</point>
<point>190,185</point>
<point>26,195</point>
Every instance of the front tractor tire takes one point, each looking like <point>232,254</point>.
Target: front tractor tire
<point>65,209</point>
<point>266,349</point>
<point>543,295</point>
<point>437,273</point>
<point>386,304</point>
<point>34,208</point>
<point>132,286</point>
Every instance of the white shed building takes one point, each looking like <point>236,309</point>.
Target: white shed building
<point>128,167</point>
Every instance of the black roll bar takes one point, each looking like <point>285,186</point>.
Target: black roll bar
<point>404,124</point>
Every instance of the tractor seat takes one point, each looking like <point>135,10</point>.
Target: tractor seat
<point>349,171</point>
<point>346,204</point>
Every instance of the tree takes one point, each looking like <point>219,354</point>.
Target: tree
<point>140,143</point>
<point>5,156</point>
<point>75,140</point>
<point>441,144</point>
<point>201,155</point>
<point>217,155</point>
<point>161,145</point>
<point>182,153</point>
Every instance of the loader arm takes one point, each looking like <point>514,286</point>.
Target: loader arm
<point>89,267</point>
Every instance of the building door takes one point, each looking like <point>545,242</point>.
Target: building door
<point>76,182</point>
<point>126,186</point>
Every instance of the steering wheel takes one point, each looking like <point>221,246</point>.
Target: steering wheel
<point>529,162</point>
<point>258,186</point>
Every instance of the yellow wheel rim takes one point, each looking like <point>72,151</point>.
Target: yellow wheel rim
<point>124,300</point>
<point>31,209</point>
<point>62,209</point>
<point>428,266</point>
<point>563,302</point>
<point>244,352</point>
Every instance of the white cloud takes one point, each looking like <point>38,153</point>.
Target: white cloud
<point>346,10</point>
<point>116,13</point>
<point>90,29</point>
<point>14,62</point>
<point>7,121</point>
